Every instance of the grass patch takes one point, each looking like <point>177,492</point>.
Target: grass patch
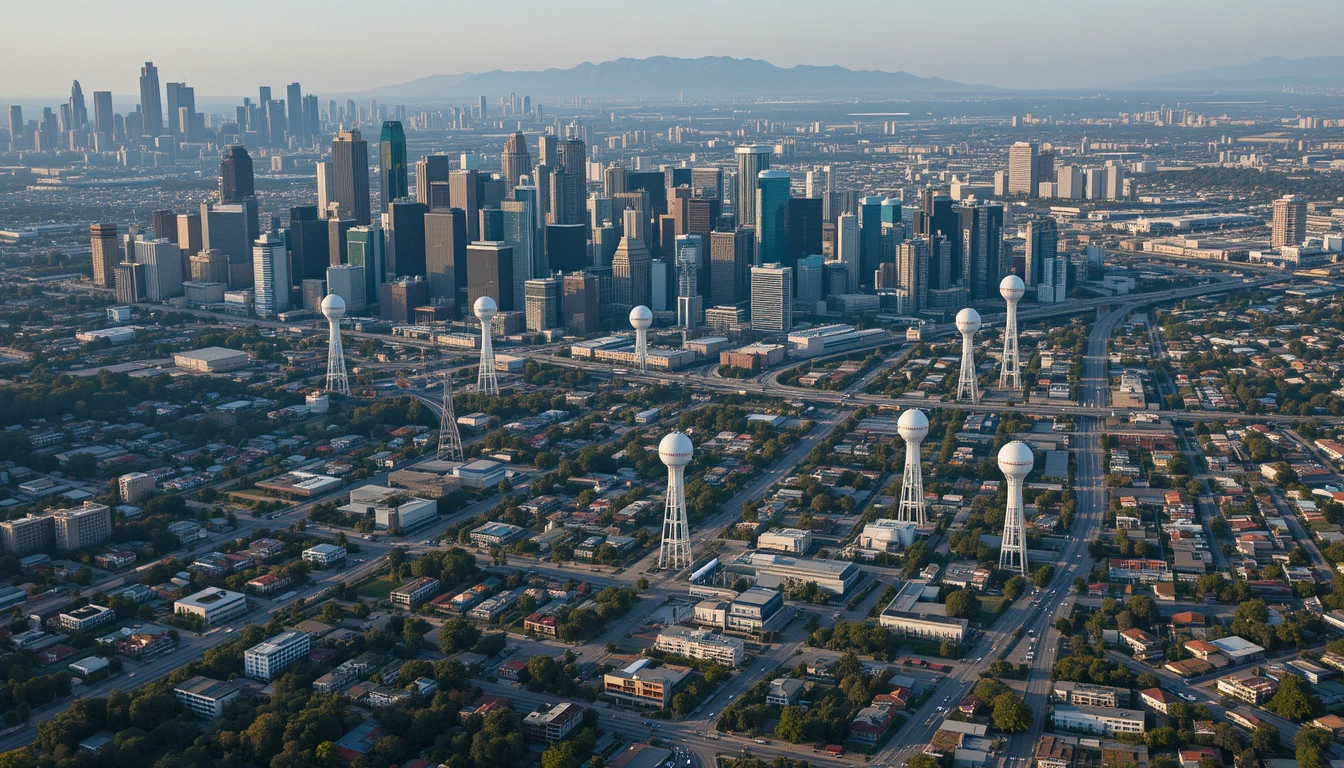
<point>378,588</point>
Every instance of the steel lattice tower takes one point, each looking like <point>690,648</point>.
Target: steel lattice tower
<point>487,380</point>
<point>333,307</point>
<point>1016,462</point>
<point>968,322</point>
<point>1010,377</point>
<point>450,440</point>
<point>675,451</point>
<point>913,427</point>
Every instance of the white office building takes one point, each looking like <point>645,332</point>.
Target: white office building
<point>268,659</point>
<point>790,541</point>
<point>772,298</point>
<point>270,276</point>
<point>214,605</point>
<point>701,644</point>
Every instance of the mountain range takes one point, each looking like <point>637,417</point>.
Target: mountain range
<point>666,77</point>
<point>1266,74</point>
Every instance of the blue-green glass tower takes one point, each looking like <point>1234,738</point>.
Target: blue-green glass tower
<point>364,246</point>
<point>870,238</point>
<point>392,162</point>
<point>772,213</point>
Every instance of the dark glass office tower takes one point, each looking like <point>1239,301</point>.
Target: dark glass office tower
<point>235,175</point>
<point>309,245</point>
<point>294,105</point>
<point>406,237</point>
<point>803,230</point>
<point>981,248</point>
<point>350,175</point>
<point>870,238</point>
<point>446,252</point>
<point>151,102</point>
<point>490,273</point>
<point>392,162</point>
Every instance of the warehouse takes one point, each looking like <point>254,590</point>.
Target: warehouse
<point>211,360</point>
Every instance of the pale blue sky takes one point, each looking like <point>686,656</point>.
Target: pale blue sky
<point>227,49</point>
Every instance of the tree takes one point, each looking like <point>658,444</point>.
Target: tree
<point>1011,713</point>
<point>1265,740</point>
<point>1294,700</point>
<point>963,604</point>
<point>922,760</point>
<point>1312,747</point>
<point>457,635</point>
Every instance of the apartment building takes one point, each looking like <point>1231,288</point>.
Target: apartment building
<point>701,644</point>
<point>268,659</point>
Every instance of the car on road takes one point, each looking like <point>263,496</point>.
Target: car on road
<point>1187,697</point>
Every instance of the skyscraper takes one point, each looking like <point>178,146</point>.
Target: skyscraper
<point>106,254</point>
<point>1023,171</point>
<point>236,179</point>
<point>1042,245</point>
<point>772,206</point>
<point>490,273</point>
<point>164,224</point>
<point>847,249</point>
<point>309,246</point>
<point>567,247</point>
<point>1289,223</point>
<point>630,270</point>
<point>462,192</point>
<point>751,160</point>
<point>104,119</point>
<point>690,304</point>
<point>151,104</point>
<point>431,180</point>
<point>189,237</point>
<point>772,299</point>
<point>294,103</point>
<point>518,229</point>
<point>79,115</point>
<point>912,276</point>
<point>364,247</point>
<point>446,253</point>
<point>270,276</point>
<point>231,229</point>
<point>870,237</point>
<point>515,162</point>
<point>392,162</point>
<point>542,303</point>
<point>803,225</point>
<point>731,255</point>
<point>579,305</point>
<point>981,247</point>
<point>326,193</point>
<point>350,175</point>
<point>163,267</point>
<point>406,237</point>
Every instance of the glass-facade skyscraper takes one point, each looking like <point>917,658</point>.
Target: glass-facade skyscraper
<point>772,211</point>
<point>392,162</point>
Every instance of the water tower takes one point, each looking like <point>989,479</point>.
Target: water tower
<point>1011,289</point>
<point>641,319</point>
<point>968,322</point>
<point>333,308</point>
<point>675,450</point>
<point>1016,462</point>
<point>913,427</point>
<point>486,379</point>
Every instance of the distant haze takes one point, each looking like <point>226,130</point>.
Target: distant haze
<point>340,46</point>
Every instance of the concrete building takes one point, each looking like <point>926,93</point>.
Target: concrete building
<point>85,618</point>
<point>324,555</point>
<point>85,526</point>
<point>1086,695</point>
<point>1248,687</point>
<point>135,487</point>
<point>1289,223</point>
<point>639,685</point>
<point>205,697</point>
<point>498,535</point>
<point>908,616</point>
<point>214,605</point>
<point>28,535</point>
<point>701,644</point>
<point>787,540</point>
<point>481,473</point>
<point>768,570</point>
<point>411,594</point>
<point>1104,721</point>
<point>772,298</point>
<point>554,724</point>
<point>268,659</point>
<point>211,360</point>
<point>784,692</point>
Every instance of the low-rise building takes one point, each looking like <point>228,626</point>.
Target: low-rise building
<point>554,724</point>
<point>831,576</point>
<point>324,555</point>
<point>85,618</point>
<point>411,594</point>
<point>701,644</point>
<point>1157,699</point>
<point>788,540</point>
<point>1088,695</point>
<point>784,692</point>
<point>214,605</point>
<point>1144,645</point>
<point>268,659</point>
<point>640,685</point>
<point>1105,721</point>
<point>1248,687</point>
<point>205,697</point>
<point>481,473</point>
<point>498,535</point>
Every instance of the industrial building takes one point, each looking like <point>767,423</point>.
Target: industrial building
<point>908,615</point>
<point>831,576</point>
<point>214,605</point>
<point>211,360</point>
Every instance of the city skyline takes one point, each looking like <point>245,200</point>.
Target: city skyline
<point>1124,52</point>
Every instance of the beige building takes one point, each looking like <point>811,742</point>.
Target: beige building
<point>135,487</point>
<point>86,526</point>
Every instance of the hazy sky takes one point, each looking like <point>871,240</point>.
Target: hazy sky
<point>332,46</point>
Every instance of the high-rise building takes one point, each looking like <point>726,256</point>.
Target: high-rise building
<point>231,229</point>
<point>567,247</point>
<point>446,253</point>
<point>630,272</point>
<point>326,193</point>
<point>338,240</point>
<point>1023,171</point>
<point>542,303</point>
<point>81,527</point>
<point>130,282</point>
<point>163,267</point>
<point>1070,183</point>
<point>106,254</point>
<point>751,160</point>
<point>392,163</point>
<point>690,304</point>
<point>580,304</point>
<point>912,276</point>
<point>365,247</point>
<point>347,281</point>
<point>298,126</point>
<point>707,182</point>
<point>1095,182</point>
<point>151,104</point>
<point>490,273</point>
<point>432,173</point>
<point>570,185</point>
<point>350,175</point>
<point>982,247</point>
<point>462,187</point>
<point>79,115</point>
<point>17,142</point>
<point>847,243</point>
<point>810,278</point>
<point>398,298</point>
<point>164,224</point>
<point>189,237</point>
<point>870,237</point>
<point>270,276</point>
<point>803,226</point>
<point>406,237</point>
<point>1042,244</point>
<point>1289,223</point>
<point>104,119</point>
<point>519,221</point>
<point>772,299</point>
<point>309,245</point>
<point>772,209</point>
<point>236,180</point>
<point>210,266</point>
<point>731,255</point>
<point>515,162</point>
<point>1115,180</point>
